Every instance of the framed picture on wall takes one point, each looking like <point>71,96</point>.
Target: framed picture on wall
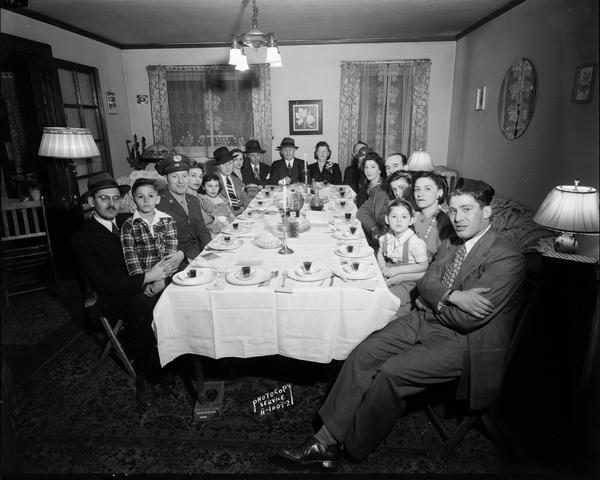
<point>583,87</point>
<point>306,117</point>
<point>111,100</point>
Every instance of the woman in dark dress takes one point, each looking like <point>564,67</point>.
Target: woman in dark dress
<point>324,170</point>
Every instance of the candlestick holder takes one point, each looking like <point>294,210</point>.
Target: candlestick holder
<point>284,250</point>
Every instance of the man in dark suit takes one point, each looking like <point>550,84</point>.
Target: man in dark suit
<point>102,264</point>
<point>255,172</point>
<point>192,234</point>
<point>468,300</point>
<point>289,169</point>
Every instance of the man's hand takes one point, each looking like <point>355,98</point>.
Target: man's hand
<point>472,301</point>
<point>172,261</point>
<point>157,272</point>
<point>285,181</point>
<point>154,288</point>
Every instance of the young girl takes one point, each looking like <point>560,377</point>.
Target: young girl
<point>402,256</point>
<point>214,204</point>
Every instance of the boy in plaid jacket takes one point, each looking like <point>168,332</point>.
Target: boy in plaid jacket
<point>149,235</point>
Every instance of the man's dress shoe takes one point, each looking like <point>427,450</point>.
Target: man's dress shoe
<point>143,394</point>
<point>313,451</point>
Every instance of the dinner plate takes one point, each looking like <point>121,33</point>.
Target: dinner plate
<point>203,275</point>
<point>335,206</point>
<point>317,273</point>
<point>219,244</point>
<point>241,230</point>
<point>365,270</point>
<point>251,215</point>
<point>345,235</point>
<point>257,275</point>
<point>359,252</point>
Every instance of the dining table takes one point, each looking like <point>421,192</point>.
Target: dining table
<point>246,296</point>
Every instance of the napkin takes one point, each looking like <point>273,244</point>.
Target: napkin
<point>315,216</point>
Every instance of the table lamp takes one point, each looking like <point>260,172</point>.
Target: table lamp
<point>569,209</point>
<point>68,143</point>
<point>420,162</point>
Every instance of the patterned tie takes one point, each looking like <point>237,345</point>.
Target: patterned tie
<point>452,270</point>
<point>235,203</point>
<point>115,229</point>
<point>256,172</point>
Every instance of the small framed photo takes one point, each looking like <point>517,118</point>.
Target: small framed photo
<point>480,98</point>
<point>111,100</point>
<point>306,117</point>
<point>583,87</point>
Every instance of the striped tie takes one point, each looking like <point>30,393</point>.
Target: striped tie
<point>452,270</point>
<point>256,172</point>
<point>235,203</point>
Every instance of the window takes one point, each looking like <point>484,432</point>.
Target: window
<point>196,109</point>
<point>385,105</point>
<point>82,96</point>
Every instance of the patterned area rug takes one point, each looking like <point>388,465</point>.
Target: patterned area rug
<point>30,318</point>
<point>77,418</point>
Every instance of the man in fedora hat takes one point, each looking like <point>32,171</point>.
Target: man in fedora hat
<point>255,172</point>
<point>103,270</point>
<point>192,234</point>
<point>289,169</point>
<point>468,301</point>
<point>233,188</point>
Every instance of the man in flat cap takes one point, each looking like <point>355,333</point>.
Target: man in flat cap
<point>288,169</point>
<point>192,234</point>
<point>108,288</point>
<point>255,172</point>
<point>468,300</point>
<point>233,188</point>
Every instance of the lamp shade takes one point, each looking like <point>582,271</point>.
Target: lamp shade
<point>242,65</point>
<point>570,208</point>
<point>420,162</point>
<point>65,142</point>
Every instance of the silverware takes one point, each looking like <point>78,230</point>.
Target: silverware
<point>284,275</point>
<point>267,282</point>
<point>332,278</point>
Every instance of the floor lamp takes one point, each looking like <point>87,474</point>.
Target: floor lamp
<point>67,144</point>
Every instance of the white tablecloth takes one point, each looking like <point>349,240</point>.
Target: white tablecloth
<point>314,323</point>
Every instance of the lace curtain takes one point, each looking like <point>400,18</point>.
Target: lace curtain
<point>196,109</point>
<point>385,105</point>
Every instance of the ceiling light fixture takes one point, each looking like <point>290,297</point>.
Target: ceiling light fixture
<point>254,39</point>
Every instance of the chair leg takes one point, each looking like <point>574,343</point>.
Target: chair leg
<point>108,346</point>
<point>118,347</point>
<point>437,423</point>
<point>457,434</point>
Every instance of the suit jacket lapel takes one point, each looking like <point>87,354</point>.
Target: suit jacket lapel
<point>476,256</point>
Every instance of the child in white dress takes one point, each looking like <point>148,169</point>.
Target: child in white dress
<point>402,256</point>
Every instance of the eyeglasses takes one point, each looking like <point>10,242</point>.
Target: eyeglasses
<point>108,198</point>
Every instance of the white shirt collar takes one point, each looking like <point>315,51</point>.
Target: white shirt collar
<point>105,223</point>
<point>157,216</point>
<point>470,243</point>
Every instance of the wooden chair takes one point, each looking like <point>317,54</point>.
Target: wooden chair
<point>112,331</point>
<point>27,258</point>
<point>485,416</point>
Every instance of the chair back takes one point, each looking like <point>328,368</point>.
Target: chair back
<point>26,247</point>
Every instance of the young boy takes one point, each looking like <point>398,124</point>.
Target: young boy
<point>149,235</point>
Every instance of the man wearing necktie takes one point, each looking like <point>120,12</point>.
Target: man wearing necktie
<point>289,169</point>
<point>468,300</point>
<point>255,172</point>
<point>101,263</point>
<point>233,189</point>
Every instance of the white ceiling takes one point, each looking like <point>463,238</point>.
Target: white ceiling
<point>137,23</point>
